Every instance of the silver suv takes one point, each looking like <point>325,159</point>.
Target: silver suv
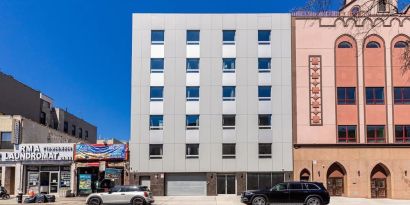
<point>135,195</point>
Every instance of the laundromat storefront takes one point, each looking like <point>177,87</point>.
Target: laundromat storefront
<point>99,166</point>
<point>47,168</point>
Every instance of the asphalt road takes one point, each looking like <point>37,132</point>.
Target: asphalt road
<point>224,200</point>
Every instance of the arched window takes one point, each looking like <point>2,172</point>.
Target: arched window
<point>401,44</point>
<point>344,44</point>
<point>373,44</point>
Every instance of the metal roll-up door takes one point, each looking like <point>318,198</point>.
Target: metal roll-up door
<point>185,184</point>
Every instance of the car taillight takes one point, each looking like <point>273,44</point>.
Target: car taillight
<point>145,194</point>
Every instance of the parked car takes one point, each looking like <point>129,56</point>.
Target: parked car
<point>135,195</point>
<point>309,193</point>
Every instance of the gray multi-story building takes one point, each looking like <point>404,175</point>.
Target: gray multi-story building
<point>16,98</point>
<point>211,102</point>
<point>28,119</point>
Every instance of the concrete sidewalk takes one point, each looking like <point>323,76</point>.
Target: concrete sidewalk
<point>223,200</point>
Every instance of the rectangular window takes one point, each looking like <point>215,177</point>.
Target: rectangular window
<point>192,37</point>
<point>264,65</point>
<point>375,134</point>
<point>265,150</point>
<point>192,65</point>
<point>157,37</point>
<point>382,6</point>
<point>155,151</point>
<point>228,93</point>
<point>264,93</point>
<point>402,133</point>
<point>346,96</point>
<point>347,133</point>
<point>264,37</point>
<point>157,93</point>
<point>86,134</point>
<point>156,122</point>
<point>402,96</point>
<point>6,140</point>
<point>80,132</point>
<point>375,96</point>
<point>228,37</point>
<point>228,65</point>
<point>192,122</point>
<point>228,151</point>
<point>73,130</point>
<point>192,93</point>
<point>65,126</point>
<point>265,121</point>
<point>228,121</point>
<point>157,65</point>
<point>43,118</point>
<point>192,151</point>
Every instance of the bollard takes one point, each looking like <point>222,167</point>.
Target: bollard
<point>20,197</point>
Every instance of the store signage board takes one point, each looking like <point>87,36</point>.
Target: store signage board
<point>85,152</point>
<point>39,152</point>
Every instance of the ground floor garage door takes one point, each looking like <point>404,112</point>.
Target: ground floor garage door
<point>185,184</point>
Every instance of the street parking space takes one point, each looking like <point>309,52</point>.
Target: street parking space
<point>225,200</point>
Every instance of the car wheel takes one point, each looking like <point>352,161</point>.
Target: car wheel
<point>94,201</point>
<point>313,201</point>
<point>259,201</point>
<point>138,201</point>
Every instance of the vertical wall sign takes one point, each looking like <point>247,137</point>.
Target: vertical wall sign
<point>315,94</point>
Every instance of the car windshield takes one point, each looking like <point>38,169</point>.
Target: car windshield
<point>280,187</point>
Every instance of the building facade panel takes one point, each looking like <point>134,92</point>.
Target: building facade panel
<point>218,134</point>
<point>353,146</point>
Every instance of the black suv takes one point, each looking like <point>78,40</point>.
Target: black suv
<point>309,193</point>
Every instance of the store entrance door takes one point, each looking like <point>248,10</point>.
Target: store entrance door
<point>49,182</point>
<point>53,182</point>
<point>226,184</point>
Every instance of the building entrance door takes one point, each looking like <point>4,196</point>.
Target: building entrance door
<point>226,184</point>
<point>379,188</point>
<point>335,186</point>
<point>54,182</point>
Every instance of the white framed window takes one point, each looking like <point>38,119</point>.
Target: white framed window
<point>228,151</point>
<point>192,37</point>
<point>265,121</point>
<point>228,93</point>
<point>228,121</point>
<point>155,151</point>
<point>265,150</point>
<point>192,93</point>
<point>264,37</point>
<point>192,122</point>
<point>192,151</point>
<point>228,65</point>
<point>156,122</point>
<point>228,37</point>
<point>264,93</point>
<point>264,65</point>
<point>192,65</point>
<point>157,37</point>
<point>157,93</point>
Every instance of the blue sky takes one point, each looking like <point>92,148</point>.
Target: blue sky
<point>79,51</point>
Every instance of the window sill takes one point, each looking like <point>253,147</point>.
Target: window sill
<point>228,157</point>
<point>265,127</point>
<point>192,157</point>
<point>155,157</point>
<point>156,128</point>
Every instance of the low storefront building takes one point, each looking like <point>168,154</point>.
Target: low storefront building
<point>42,168</point>
<point>100,166</point>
